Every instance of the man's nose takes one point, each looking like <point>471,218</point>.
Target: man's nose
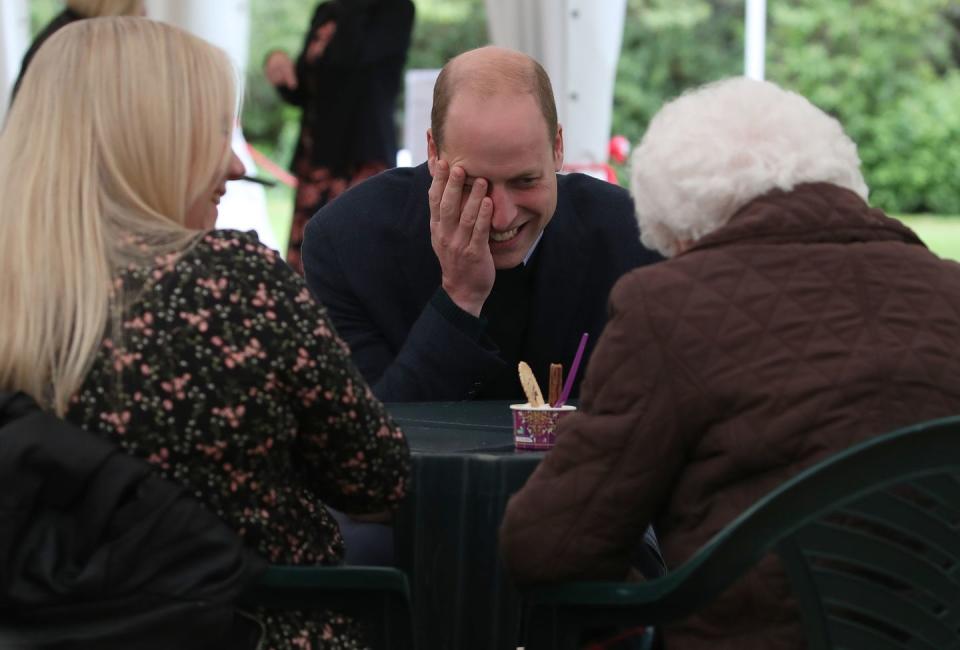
<point>504,209</point>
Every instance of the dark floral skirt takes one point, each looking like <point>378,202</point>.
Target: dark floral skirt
<point>315,188</point>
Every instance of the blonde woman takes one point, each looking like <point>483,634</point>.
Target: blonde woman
<point>74,11</point>
<point>197,350</point>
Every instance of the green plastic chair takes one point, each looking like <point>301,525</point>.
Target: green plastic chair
<point>377,597</point>
<point>869,538</point>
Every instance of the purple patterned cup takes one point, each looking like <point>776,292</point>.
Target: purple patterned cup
<point>536,428</point>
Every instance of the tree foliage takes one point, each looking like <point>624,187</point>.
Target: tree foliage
<point>884,68</point>
<point>887,69</point>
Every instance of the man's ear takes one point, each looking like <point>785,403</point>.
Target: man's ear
<point>432,153</point>
<point>558,149</point>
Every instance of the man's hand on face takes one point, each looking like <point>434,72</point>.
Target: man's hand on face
<point>460,234</point>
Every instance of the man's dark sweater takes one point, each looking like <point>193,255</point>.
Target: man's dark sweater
<point>368,259</point>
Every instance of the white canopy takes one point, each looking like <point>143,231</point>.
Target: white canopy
<point>578,43</point>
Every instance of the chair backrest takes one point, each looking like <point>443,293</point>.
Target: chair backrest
<point>378,598</point>
<point>870,539</point>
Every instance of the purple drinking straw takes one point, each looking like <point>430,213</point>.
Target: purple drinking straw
<point>568,385</point>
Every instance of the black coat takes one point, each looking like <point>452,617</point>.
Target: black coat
<point>97,552</point>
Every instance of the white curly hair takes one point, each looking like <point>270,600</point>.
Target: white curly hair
<point>712,150</point>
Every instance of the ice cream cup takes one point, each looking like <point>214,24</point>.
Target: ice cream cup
<point>536,427</point>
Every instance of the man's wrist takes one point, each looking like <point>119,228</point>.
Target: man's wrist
<point>464,321</point>
<point>470,305</point>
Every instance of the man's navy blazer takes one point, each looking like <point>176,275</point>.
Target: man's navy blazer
<point>369,260</point>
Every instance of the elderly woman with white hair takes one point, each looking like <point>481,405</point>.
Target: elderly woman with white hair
<point>791,321</point>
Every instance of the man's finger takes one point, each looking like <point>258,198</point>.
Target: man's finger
<point>468,215</point>
<point>481,230</point>
<point>450,201</point>
<point>441,172</point>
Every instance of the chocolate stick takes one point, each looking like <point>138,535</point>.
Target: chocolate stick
<point>556,381</point>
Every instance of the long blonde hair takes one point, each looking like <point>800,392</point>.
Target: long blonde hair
<point>120,124</point>
<point>100,8</point>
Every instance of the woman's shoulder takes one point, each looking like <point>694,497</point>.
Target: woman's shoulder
<point>233,252</point>
<point>222,259</point>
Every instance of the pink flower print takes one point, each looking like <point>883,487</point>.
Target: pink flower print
<point>386,432</point>
<point>303,360</point>
<point>118,421</point>
<point>160,458</point>
<point>140,324</point>
<point>221,244</point>
<point>215,287</point>
<point>214,451</point>
<point>235,357</point>
<point>176,386</point>
<point>349,396</point>
<point>238,478</point>
<point>359,460</point>
<point>271,384</point>
<point>322,330</point>
<point>308,396</point>
<point>198,320</point>
<point>167,262</point>
<point>262,449</point>
<point>232,415</point>
<point>270,498</point>
<point>303,296</point>
<point>262,298</point>
<point>302,640</point>
<point>122,359</point>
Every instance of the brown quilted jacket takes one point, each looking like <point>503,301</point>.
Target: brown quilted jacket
<point>808,323</point>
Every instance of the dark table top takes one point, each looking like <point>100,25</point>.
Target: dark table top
<point>456,427</point>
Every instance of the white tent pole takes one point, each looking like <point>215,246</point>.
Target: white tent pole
<point>14,40</point>
<point>756,37</point>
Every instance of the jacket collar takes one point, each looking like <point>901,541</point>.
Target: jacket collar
<point>809,213</point>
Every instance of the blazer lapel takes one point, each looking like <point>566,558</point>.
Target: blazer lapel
<point>418,270</point>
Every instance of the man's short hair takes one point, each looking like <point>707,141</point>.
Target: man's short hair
<point>522,77</point>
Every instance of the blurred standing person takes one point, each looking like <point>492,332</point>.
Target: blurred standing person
<point>346,81</point>
<point>74,11</point>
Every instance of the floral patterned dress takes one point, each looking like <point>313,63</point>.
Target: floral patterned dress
<point>229,379</point>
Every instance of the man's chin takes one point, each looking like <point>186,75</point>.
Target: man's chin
<point>503,262</point>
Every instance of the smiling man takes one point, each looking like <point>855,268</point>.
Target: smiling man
<point>442,277</point>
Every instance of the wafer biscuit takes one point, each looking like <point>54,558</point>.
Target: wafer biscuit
<point>530,386</point>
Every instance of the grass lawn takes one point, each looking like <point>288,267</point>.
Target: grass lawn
<point>941,233</point>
